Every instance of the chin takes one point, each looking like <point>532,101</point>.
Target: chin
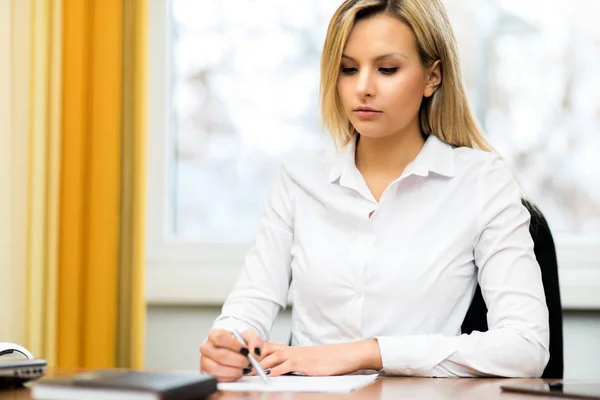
<point>372,133</point>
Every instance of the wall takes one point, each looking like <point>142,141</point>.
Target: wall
<point>173,335</point>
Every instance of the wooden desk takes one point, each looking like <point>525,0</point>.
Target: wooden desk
<point>385,388</point>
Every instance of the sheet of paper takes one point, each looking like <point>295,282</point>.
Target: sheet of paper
<point>289,383</point>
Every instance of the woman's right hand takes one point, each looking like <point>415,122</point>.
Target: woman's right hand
<point>225,357</point>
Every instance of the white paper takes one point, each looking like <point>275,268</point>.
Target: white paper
<point>290,383</point>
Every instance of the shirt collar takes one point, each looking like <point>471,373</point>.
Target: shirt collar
<point>435,156</point>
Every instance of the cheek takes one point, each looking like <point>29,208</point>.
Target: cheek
<point>345,91</point>
<point>404,93</point>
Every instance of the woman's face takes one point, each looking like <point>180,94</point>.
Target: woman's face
<point>382,81</point>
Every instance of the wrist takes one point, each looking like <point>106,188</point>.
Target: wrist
<point>368,355</point>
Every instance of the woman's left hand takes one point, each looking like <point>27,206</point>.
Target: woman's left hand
<point>335,359</point>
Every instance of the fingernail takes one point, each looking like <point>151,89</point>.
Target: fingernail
<point>268,371</point>
<point>246,371</point>
<point>257,351</point>
<point>244,351</point>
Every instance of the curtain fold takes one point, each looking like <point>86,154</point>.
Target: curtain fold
<point>43,178</point>
<point>90,190</point>
<point>132,315</point>
<point>101,308</point>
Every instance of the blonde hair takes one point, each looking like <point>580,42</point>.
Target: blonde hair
<point>446,113</point>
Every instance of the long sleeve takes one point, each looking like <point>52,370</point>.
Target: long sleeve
<point>262,288</point>
<point>516,344</point>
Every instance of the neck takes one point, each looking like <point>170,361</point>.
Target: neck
<point>389,154</point>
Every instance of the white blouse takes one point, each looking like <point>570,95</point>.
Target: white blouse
<point>406,275</point>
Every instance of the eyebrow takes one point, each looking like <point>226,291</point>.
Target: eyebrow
<point>379,57</point>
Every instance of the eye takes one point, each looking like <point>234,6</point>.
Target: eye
<point>388,71</point>
<point>349,71</point>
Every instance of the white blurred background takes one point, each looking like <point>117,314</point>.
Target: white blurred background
<point>234,88</point>
<point>245,77</point>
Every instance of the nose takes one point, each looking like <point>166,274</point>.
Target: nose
<point>365,84</point>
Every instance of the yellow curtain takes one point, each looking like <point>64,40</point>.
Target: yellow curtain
<point>43,177</point>
<point>131,294</point>
<point>101,309</point>
<point>86,188</point>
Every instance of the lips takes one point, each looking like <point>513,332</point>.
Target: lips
<point>363,112</point>
<point>366,108</point>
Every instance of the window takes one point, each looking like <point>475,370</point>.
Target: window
<point>234,87</point>
<point>529,66</point>
<point>244,83</point>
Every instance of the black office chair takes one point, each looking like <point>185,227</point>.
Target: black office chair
<point>545,252</point>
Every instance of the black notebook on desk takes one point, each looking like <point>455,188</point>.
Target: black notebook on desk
<point>124,384</point>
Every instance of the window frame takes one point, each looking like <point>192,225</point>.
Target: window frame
<point>177,272</point>
<point>160,145</point>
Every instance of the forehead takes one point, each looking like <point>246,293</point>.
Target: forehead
<point>380,34</point>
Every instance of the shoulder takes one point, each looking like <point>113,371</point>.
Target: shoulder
<point>496,189</point>
<point>483,167</point>
<point>490,176</point>
<point>478,161</point>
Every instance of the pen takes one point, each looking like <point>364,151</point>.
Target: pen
<point>253,360</point>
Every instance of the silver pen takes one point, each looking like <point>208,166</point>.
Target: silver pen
<point>259,370</point>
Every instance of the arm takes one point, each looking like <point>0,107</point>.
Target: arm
<point>262,288</point>
<point>516,344</point>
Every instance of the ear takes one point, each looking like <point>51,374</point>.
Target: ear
<point>434,79</point>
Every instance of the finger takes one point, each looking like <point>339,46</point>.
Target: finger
<point>222,372</point>
<point>273,360</point>
<point>254,341</point>
<point>223,338</point>
<point>283,368</point>
<point>270,348</point>
<point>224,356</point>
<point>206,365</point>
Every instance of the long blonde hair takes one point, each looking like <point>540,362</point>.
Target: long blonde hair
<point>446,113</point>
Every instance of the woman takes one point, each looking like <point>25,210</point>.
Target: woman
<point>385,241</point>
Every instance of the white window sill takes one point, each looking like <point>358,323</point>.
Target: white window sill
<point>192,285</point>
<point>176,276</point>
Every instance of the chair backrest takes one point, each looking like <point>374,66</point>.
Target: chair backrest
<point>545,252</point>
